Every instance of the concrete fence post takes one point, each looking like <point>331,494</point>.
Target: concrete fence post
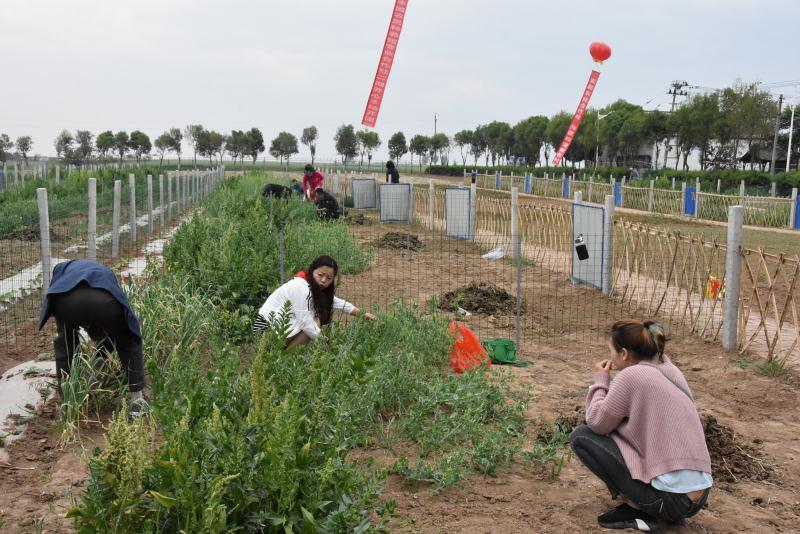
<point>169,196</point>
<point>733,271</point>
<point>719,185</point>
<point>608,244</point>
<point>431,205</point>
<point>793,208</point>
<point>697,197</point>
<point>650,194</point>
<point>44,237</point>
<point>91,237</point>
<point>741,192</point>
<point>473,210</point>
<point>150,203</point>
<point>58,173</point>
<point>115,219</point>
<point>132,205</point>
<point>161,198</point>
<point>772,190</point>
<point>514,221</point>
<point>673,183</point>
<point>578,197</point>
<point>683,199</point>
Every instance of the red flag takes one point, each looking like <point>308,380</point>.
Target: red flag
<point>385,64</point>
<point>577,118</point>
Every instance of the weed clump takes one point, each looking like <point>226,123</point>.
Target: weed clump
<point>399,241</point>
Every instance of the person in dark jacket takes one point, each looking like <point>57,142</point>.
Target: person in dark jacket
<point>85,294</point>
<point>391,173</point>
<point>275,190</point>
<point>326,204</point>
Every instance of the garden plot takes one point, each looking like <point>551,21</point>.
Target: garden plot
<point>341,376</point>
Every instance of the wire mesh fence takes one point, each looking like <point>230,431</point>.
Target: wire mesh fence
<point>141,227</point>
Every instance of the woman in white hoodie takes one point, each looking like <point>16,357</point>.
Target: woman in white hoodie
<point>312,301</point>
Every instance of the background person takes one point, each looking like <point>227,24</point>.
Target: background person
<point>312,180</point>
<point>85,294</point>
<point>643,436</point>
<point>311,295</point>
<point>297,189</point>
<point>326,204</point>
<point>392,175</point>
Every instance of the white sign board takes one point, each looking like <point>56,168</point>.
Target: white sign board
<point>395,202</point>
<point>365,195</point>
<point>587,226</point>
<point>458,215</point>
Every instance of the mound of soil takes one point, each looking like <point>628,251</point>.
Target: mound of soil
<point>479,298</point>
<point>399,241</point>
<point>731,460</point>
<point>359,219</point>
<point>30,233</point>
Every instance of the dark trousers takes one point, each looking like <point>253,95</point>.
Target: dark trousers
<point>603,458</point>
<point>103,318</point>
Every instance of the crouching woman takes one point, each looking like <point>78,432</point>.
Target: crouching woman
<point>311,297</point>
<point>643,437</point>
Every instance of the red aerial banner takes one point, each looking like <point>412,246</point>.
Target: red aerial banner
<point>385,64</point>
<point>577,118</point>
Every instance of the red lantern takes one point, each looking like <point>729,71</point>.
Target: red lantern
<point>599,51</point>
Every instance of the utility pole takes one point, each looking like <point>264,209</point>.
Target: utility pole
<point>775,138</point>
<point>789,147</point>
<point>435,119</point>
<point>676,90</point>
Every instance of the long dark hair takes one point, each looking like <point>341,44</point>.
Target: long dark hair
<point>645,339</point>
<point>322,299</point>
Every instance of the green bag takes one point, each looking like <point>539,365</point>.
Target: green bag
<point>503,352</point>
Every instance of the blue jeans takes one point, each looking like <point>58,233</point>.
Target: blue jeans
<point>603,458</point>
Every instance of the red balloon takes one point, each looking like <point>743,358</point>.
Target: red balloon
<point>599,51</point>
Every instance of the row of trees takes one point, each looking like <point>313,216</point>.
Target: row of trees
<point>23,144</point>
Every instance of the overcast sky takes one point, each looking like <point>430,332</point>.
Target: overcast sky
<point>284,65</point>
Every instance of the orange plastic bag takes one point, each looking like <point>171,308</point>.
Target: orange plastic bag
<point>467,351</point>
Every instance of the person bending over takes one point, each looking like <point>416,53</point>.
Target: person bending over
<point>85,294</point>
<point>643,437</point>
<point>326,205</point>
<point>312,180</point>
<point>311,297</point>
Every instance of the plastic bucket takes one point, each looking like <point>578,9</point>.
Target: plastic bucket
<point>500,350</point>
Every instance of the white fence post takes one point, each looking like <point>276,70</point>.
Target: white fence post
<point>578,197</point>
<point>733,270</point>
<point>169,196</point>
<point>741,192</point>
<point>58,173</point>
<point>673,183</point>
<point>150,202</point>
<point>608,244</point>
<point>473,209</point>
<point>132,205</point>
<point>683,199</point>
<point>514,221</point>
<point>650,194</point>
<point>793,208</point>
<point>772,191</point>
<point>161,198</point>
<point>719,185</point>
<point>697,196</point>
<point>115,219</point>
<point>431,205</point>
<point>44,237</point>
<point>91,238</point>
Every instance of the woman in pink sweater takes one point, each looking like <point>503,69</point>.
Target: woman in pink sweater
<point>643,436</point>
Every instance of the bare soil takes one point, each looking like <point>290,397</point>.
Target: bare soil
<point>399,241</point>
<point>750,420</point>
<point>478,298</point>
